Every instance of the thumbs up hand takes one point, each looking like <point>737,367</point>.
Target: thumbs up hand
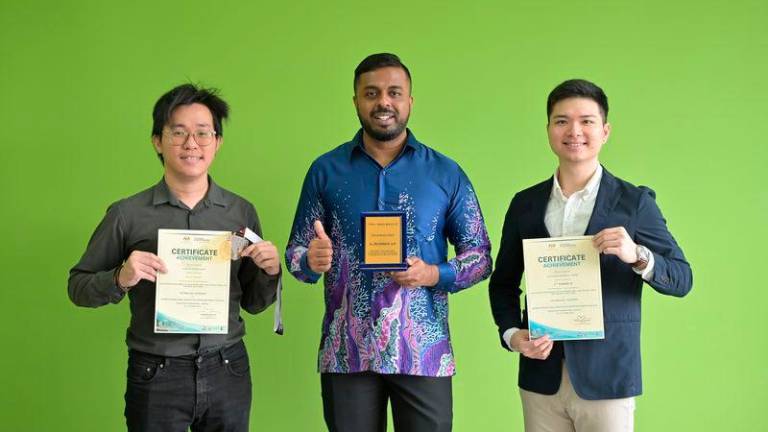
<point>320,250</point>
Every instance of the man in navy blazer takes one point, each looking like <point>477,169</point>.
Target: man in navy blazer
<point>585,385</point>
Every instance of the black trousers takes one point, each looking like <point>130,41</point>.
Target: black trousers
<point>211,392</point>
<point>358,402</point>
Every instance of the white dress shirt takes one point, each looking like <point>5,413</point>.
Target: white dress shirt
<point>569,216</point>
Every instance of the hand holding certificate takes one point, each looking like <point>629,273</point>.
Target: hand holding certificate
<point>139,265</point>
<point>563,288</point>
<point>264,254</point>
<point>246,243</point>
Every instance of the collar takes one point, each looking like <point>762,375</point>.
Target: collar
<point>357,146</point>
<point>161,194</point>
<point>589,190</point>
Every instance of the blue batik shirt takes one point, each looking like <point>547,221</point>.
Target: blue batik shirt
<point>370,322</point>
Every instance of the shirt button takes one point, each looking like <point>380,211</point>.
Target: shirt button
<point>199,360</point>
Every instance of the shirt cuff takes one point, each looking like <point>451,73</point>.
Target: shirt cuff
<point>311,275</point>
<point>107,279</point>
<point>447,276</point>
<point>647,272</point>
<point>270,277</point>
<point>507,336</point>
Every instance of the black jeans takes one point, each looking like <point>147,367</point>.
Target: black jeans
<point>357,402</point>
<point>210,392</point>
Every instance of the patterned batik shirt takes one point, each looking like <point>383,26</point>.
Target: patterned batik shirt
<point>371,323</point>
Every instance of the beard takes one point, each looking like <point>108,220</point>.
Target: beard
<point>387,134</point>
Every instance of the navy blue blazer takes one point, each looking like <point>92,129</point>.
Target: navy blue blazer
<point>599,369</point>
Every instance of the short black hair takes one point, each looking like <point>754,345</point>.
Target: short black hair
<point>578,88</point>
<point>378,61</point>
<point>188,94</point>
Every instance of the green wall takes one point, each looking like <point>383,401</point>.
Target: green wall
<point>686,82</point>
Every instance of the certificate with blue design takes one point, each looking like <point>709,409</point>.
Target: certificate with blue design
<point>563,288</point>
<point>383,241</point>
<point>193,295</point>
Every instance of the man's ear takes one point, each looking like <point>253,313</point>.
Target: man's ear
<point>606,132</point>
<point>156,143</point>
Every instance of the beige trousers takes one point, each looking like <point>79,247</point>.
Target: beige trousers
<point>565,411</point>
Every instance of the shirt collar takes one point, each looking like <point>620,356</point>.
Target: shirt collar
<point>215,194</point>
<point>357,146</point>
<point>590,189</point>
<point>162,194</point>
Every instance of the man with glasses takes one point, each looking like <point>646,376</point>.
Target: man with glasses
<point>178,381</point>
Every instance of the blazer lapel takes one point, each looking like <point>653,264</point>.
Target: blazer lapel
<point>607,197</point>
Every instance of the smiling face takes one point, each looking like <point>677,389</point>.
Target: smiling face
<point>383,102</point>
<point>186,160</point>
<point>576,131</point>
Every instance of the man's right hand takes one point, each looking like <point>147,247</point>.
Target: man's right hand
<point>140,265</point>
<point>538,349</point>
<point>320,250</point>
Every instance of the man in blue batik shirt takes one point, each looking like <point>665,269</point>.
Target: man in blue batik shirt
<point>385,335</point>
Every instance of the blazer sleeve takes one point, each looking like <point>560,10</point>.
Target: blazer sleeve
<point>504,287</point>
<point>671,272</point>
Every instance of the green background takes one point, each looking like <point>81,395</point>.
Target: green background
<point>686,82</point>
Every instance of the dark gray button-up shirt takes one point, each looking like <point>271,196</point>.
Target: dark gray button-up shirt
<point>131,224</point>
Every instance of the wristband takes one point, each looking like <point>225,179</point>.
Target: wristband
<point>117,279</point>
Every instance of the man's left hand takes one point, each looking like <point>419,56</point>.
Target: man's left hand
<point>264,255</point>
<point>616,241</point>
<point>418,274</point>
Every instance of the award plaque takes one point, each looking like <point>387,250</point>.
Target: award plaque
<point>383,241</point>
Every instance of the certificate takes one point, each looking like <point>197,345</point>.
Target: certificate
<point>563,289</point>
<point>193,295</point>
<point>383,241</point>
